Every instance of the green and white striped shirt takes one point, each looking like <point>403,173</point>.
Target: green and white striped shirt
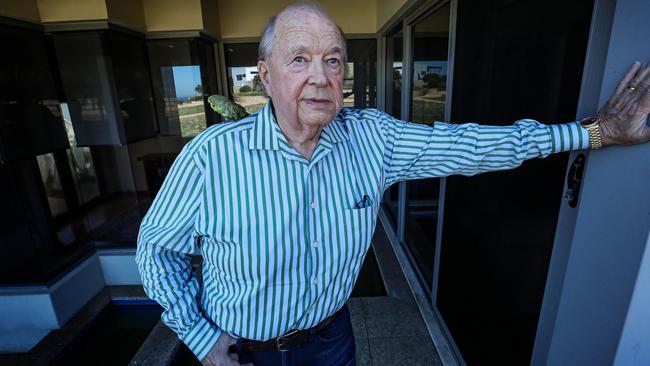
<point>282,237</point>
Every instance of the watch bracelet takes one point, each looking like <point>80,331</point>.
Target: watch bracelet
<point>595,139</point>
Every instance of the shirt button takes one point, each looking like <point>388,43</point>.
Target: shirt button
<point>315,281</point>
<point>312,204</point>
<point>315,244</point>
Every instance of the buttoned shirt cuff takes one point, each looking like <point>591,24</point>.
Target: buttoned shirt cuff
<point>568,136</point>
<point>201,337</point>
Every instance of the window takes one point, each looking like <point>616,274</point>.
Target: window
<point>130,73</point>
<point>360,74</point>
<point>427,98</point>
<point>30,121</point>
<point>394,45</point>
<point>184,76</point>
<point>107,87</point>
<point>244,84</point>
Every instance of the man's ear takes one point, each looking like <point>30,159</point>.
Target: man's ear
<point>265,77</point>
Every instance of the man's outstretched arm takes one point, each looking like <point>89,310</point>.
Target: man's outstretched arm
<point>415,151</point>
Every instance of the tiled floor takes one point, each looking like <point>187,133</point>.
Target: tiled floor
<point>389,330</point>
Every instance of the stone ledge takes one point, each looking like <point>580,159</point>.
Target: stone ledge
<point>158,349</point>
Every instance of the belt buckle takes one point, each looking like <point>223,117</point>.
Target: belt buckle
<point>281,346</point>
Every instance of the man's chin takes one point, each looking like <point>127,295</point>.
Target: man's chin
<point>319,117</point>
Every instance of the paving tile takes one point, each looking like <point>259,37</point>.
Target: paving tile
<point>412,351</point>
<point>363,352</point>
<point>387,305</point>
<point>354,305</point>
<point>390,268</point>
<point>395,325</point>
<point>356,318</point>
<point>398,288</point>
<point>388,264</point>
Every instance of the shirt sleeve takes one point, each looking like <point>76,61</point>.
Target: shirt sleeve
<point>165,242</point>
<point>414,151</point>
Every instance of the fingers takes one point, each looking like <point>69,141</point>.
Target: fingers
<point>642,79</point>
<point>623,84</point>
<point>641,83</point>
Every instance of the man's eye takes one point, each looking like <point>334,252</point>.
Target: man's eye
<point>334,61</point>
<point>299,59</point>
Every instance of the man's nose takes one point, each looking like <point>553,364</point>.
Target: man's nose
<point>317,75</point>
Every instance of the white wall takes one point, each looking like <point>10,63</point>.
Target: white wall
<point>28,313</point>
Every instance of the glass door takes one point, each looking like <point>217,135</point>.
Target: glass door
<point>428,96</point>
<point>394,50</point>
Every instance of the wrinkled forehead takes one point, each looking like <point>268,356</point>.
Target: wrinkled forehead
<point>306,30</point>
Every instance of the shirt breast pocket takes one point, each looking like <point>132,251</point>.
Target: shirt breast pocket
<point>361,224</point>
<point>356,231</point>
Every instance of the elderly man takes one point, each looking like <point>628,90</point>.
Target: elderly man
<point>285,201</point>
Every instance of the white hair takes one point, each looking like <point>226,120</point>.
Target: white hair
<point>266,40</point>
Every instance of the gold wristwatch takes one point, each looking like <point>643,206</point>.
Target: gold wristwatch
<point>592,124</point>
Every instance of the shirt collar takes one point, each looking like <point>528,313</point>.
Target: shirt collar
<point>266,134</point>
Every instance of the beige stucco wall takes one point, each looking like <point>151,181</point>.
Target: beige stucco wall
<point>245,18</point>
<point>71,10</point>
<point>20,9</point>
<point>164,15</point>
<point>437,22</point>
<point>386,9</point>
<point>221,18</point>
<point>210,10</point>
<point>127,12</point>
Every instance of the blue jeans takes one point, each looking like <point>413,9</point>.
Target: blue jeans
<point>333,346</point>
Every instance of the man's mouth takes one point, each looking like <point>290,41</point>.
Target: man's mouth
<point>317,101</point>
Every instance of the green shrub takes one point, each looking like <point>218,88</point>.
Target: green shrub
<point>245,89</point>
<point>434,80</point>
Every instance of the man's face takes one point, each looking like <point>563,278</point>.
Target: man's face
<point>304,73</point>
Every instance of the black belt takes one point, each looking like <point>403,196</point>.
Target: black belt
<point>287,342</point>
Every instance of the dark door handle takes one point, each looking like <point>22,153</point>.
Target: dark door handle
<point>574,180</point>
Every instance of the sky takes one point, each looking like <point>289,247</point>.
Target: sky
<point>186,78</point>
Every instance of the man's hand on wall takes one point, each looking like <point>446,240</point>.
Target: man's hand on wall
<point>219,356</point>
<point>624,116</point>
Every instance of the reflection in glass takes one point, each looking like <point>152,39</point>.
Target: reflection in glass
<point>182,79</point>
<point>81,163</point>
<point>189,99</point>
<point>348,83</point>
<point>244,84</point>
<point>52,184</point>
<point>430,39</point>
<point>88,87</point>
<point>30,123</point>
<point>428,96</point>
<point>247,87</point>
<point>394,45</point>
<point>133,85</point>
<point>360,74</point>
